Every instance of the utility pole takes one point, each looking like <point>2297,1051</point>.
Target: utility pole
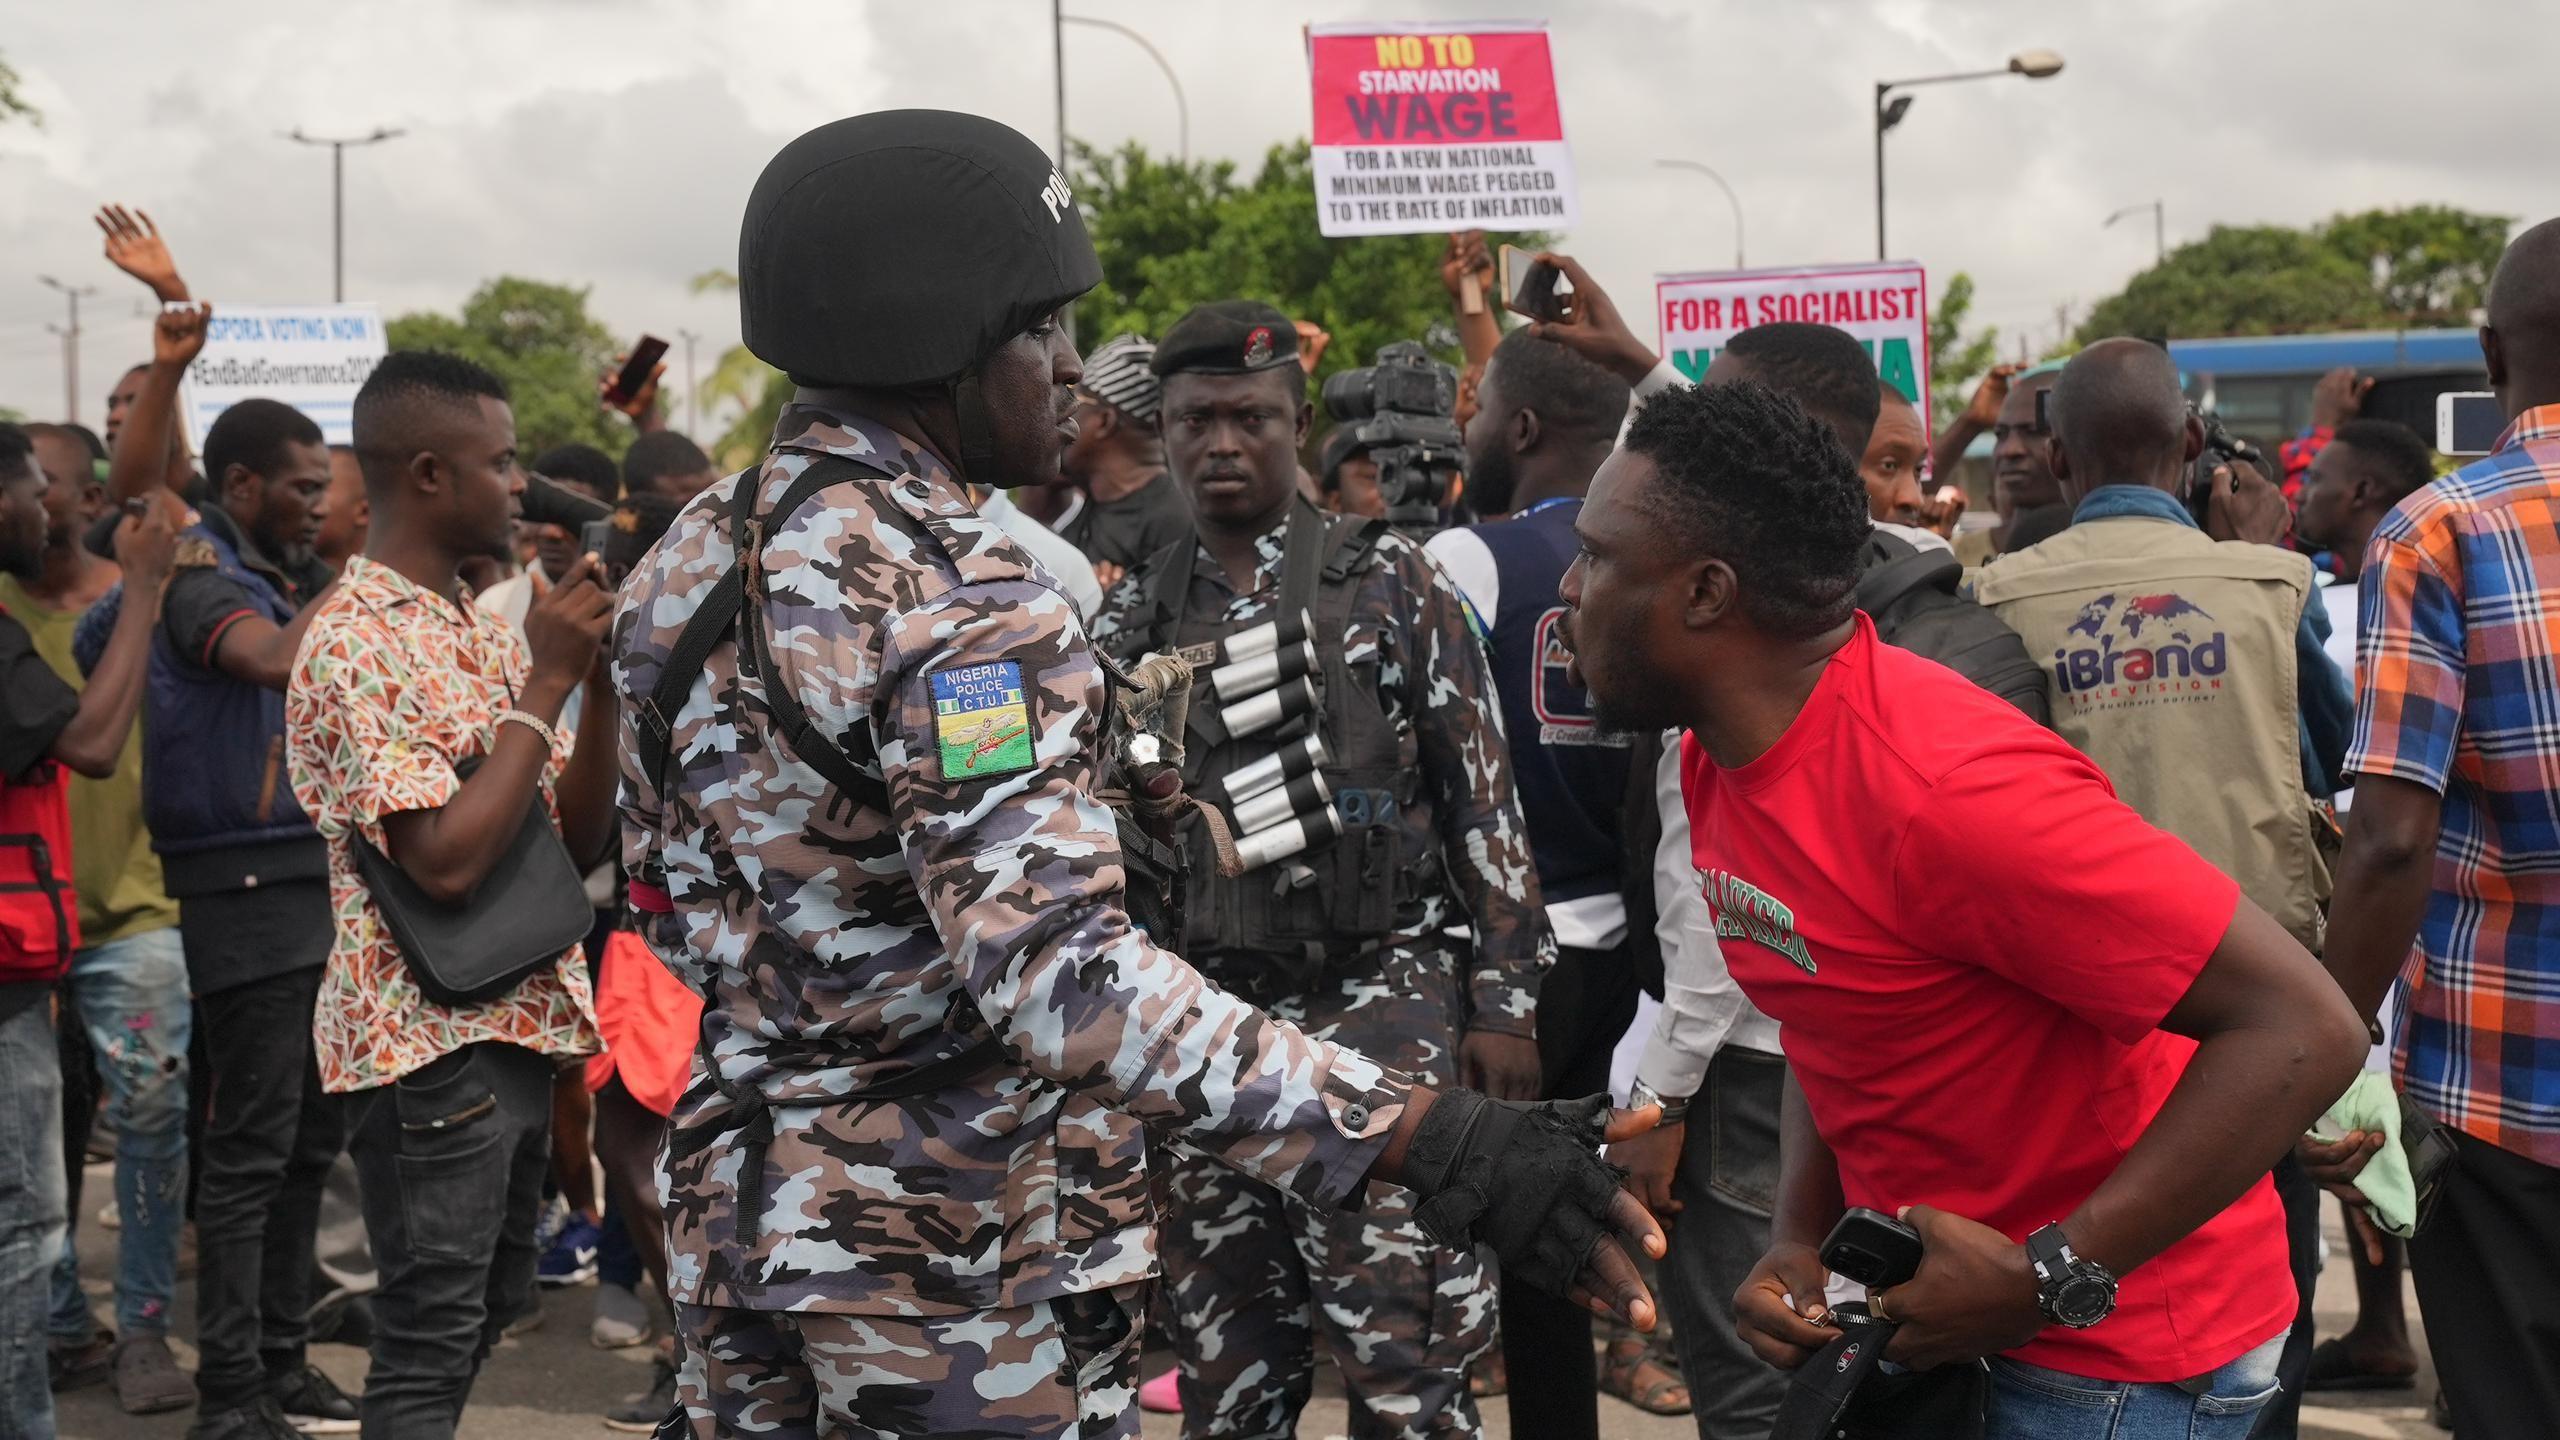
<point>2061,323</point>
<point>338,196</point>
<point>692,397</point>
<point>70,345</point>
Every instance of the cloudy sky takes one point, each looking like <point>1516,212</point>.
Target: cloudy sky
<point>612,144</point>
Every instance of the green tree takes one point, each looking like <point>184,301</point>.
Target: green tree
<point>1173,235</point>
<point>1956,360</point>
<point>539,338</point>
<point>2421,266</point>
<point>2430,263</point>
<point>739,378</point>
<point>14,106</point>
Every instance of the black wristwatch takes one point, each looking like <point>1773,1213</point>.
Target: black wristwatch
<point>2070,1290</point>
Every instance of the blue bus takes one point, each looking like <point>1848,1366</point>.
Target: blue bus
<point>2261,384</point>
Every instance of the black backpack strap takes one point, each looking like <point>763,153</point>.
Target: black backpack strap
<point>719,611</point>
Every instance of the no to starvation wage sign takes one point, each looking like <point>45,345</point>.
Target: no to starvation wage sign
<point>1424,128</point>
<point>1885,307</point>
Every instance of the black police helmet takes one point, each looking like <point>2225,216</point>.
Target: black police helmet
<point>903,247</point>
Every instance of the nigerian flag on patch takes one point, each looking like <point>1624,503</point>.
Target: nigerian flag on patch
<point>981,722</point>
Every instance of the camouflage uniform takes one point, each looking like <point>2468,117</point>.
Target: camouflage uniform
<point>1254,1272</point>
<point>965,1262</point>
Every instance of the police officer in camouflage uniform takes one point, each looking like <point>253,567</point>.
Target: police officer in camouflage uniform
<point>1344,937</point>
<point>862,744</point>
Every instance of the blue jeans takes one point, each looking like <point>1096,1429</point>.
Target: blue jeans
<point>132,997</point>
<point>31,1208</point>
<point>2029,1402</point>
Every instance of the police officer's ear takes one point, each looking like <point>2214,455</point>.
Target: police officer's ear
<point>1306,422</point>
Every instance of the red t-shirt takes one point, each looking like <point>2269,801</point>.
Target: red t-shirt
<point>1967,942</point>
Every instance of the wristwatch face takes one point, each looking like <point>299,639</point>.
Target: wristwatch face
<point>2083,1300</point>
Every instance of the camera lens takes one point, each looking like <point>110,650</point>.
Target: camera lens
<point>1351,395</point>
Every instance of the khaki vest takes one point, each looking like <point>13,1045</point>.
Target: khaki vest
<point>2170,661</point>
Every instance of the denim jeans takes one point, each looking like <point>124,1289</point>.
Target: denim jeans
<point>1727,1180</point>
<point>31,1215</point>
<point>452,1158</point>
<point>132,998</point>
<point>269,1139</point>
<point>2029,1402</point>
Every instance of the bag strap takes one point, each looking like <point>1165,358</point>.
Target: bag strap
<point>719,610</point>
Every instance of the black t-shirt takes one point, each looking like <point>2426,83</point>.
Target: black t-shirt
<point>34,703</point>
<point>199,604</point>
<point>1129,531</point>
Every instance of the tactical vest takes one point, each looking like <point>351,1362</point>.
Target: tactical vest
<point>1286,919</point>
<point>2169,659</point>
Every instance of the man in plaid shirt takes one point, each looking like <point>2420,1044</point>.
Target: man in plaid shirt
<point>2454,845</point>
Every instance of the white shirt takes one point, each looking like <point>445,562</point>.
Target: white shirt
<point>2339,596</point>
<point>509,599</point>
<point>1593,922</point>
<point>1064,562</point>
<point>1703,1010</point>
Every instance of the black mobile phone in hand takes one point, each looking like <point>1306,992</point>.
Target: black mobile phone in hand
<point>1872,1248</point>
<point>1529,285</point>
<point>635,371</point>
<point>594,536</point>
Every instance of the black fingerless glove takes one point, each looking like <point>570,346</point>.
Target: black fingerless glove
<point>1525,1179</point>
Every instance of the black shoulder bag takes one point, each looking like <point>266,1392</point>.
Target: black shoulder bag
<point>530,908</point>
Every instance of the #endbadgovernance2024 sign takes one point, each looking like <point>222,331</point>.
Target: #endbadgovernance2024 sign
<point>311,357</point>
<point>1434,128</point>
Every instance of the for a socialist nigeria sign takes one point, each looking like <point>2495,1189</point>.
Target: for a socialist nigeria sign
<point>1427,128</point>
<point>1884,306</point>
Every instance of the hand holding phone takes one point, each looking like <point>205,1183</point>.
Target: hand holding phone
<point>638,368</point>
<point>1529,285</point>
<point>1872,1248</point>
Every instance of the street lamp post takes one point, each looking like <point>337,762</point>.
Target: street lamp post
<point>70,345</point>
<point>1729,196</point>
<point>1181,103</point>
<point>338,195</point>
<point>2159,226</point>
<point>1890,108</point>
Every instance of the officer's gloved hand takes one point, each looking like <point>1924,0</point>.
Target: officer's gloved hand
<point>1528,1180</point>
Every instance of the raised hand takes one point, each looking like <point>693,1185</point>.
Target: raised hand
<point>134,246</point>
<point>177,336</point>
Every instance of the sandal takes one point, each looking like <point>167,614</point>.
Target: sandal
<point>1630,1371</point>
<point>1489,1378</point>
<point>2332,1368</point>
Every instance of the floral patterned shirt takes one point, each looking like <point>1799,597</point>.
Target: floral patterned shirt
<point>392,687</point>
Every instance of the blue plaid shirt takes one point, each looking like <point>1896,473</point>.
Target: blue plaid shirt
<point>2458,689</point>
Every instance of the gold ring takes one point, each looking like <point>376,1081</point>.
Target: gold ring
<point>1875,1305</point>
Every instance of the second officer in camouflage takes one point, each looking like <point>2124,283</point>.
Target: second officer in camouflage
<point>1417,832</point>
<point>906,1188</point>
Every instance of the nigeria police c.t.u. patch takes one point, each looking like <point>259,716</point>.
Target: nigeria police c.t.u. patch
<point>981,720</point>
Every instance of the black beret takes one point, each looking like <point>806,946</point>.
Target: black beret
<point>903,247</point>
<point>1228,337</point>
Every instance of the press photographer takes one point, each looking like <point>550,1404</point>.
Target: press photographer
<point>1400,414</point>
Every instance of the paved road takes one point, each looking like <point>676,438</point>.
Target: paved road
<point>551,1384</point>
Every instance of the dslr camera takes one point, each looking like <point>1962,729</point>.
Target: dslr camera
<point>1403,410</point>
<point>2221,448</point>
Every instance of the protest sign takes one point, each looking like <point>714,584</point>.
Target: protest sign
<point>311,357</point>
<point>1884,306</point>
<point>1427,129</point>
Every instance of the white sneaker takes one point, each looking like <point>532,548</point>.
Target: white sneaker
<point>621,1319</point>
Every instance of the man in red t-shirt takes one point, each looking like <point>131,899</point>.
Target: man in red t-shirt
<point>2071,1079</point>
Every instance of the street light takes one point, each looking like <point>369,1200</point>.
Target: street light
<point>2033,64</point>
<point>338,195</point>
<point>1728,195</point>
<point>1181,103</point>
<point>2159,226</point>
<point>70,345</point>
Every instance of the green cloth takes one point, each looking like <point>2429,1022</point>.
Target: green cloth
<point>2371,1105</point>
<point>112,864</point>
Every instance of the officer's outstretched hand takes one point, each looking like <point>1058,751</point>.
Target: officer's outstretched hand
<point>1528,1180</point>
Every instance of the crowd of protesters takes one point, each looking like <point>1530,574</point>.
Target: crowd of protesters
<point>2088,884</point>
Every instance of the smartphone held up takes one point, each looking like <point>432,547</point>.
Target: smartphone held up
<point>1529,285</point>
